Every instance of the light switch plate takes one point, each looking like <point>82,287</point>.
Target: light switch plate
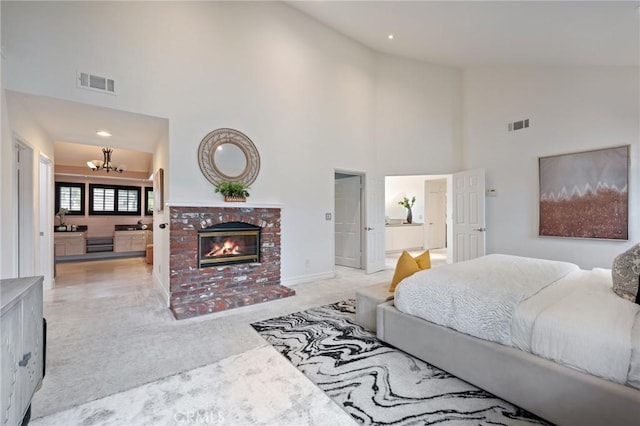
<point>327,216</point>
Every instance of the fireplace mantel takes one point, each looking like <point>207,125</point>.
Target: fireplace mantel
<point>223,204</point>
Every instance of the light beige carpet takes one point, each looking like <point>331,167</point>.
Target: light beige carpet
<point>109,331</point>
<point>257,387</point>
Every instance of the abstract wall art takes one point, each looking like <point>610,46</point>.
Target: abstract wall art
<point>585,194</point>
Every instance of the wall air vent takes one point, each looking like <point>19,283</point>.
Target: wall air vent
<point>518,125</point>
<point>97,83</point>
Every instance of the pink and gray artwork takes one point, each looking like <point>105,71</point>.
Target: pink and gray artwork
<point>585,194</point>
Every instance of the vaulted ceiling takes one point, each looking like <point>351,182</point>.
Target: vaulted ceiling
<point>456,33</point>
<point>484,33</point>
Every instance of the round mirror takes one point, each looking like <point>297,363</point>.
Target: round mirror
<point>229,159</point>
<point>227,155</point>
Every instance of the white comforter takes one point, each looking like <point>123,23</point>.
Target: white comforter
<point>579,322</point>
<point>551,309</point>
<point>479,296</point>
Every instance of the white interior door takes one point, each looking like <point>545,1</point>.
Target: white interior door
<point>469,232</point>
<point>46,223</point>
<point>435,218</point>
<point>348,221</point>
<point>374,223</point>
<point>23,210</point>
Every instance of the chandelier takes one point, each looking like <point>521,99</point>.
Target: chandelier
<point>105,164</point>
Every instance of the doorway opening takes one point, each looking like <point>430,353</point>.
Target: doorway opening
<point>429,228</point>
<point>461,194</point>
<point>101,215</point>
<point>349,200</point>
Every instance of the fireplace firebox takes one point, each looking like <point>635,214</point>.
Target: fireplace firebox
<point>228,243</point>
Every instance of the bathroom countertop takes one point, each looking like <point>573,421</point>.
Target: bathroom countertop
<point>79,228</point>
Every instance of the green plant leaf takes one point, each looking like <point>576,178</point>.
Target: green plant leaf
<point>232,189</point>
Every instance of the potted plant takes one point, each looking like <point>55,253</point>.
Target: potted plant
<point>233,191</point>
<point>60,214</point>
<point>407,204</point>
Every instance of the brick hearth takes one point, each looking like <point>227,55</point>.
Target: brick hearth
<point>196,291</point>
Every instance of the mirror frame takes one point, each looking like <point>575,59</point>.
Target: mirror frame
<point>207,151</point>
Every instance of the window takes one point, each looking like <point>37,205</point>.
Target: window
<point>129,200</point>
<point>104,199</point>
<point>70,196</point>
<point>114,200</point>
<point>148,196</point>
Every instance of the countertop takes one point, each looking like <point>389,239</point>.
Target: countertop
<point>391,225</point>
<point>132,228</point>
<point>79,228</point>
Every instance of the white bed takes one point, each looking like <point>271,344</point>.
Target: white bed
<point>552,320</point>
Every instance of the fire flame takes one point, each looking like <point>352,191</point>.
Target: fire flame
<point>229,247</point>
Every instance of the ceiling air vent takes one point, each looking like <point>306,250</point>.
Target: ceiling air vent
<point>518,125</point>
<point>95,82</point>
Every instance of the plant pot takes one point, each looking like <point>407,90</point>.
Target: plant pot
<point>230,199</point>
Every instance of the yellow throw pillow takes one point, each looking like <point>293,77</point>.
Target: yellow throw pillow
<point>424,260</point>
<point>407,266</point>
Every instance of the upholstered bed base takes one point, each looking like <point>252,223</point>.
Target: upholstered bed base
<point>556,393</point>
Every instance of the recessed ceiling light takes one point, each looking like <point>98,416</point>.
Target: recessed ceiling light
<point>103,133</point>
<point>390,36</point>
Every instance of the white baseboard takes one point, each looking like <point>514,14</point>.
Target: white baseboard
<point>158,283</point>
<point>308,278</point>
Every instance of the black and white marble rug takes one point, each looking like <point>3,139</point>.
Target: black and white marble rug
<point>376,383</point>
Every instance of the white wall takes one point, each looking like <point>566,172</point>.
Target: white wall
<point>161,272</point>
<point>5,136</point>
<point>313,101</point>
<point>571,109</point>
<point>303,93</point>
<point>19,123</point>
<point>299,90</point>
<point>418,117</point>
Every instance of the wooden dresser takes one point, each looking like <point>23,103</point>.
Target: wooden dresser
<point>22,338</point>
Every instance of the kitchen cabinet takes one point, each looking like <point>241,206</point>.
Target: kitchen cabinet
<point>403,237</point>
<point>124,241</point>
<point>69,243</point>
<point>22,349</point>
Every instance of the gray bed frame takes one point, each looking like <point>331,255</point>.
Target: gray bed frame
<point>556,393</point>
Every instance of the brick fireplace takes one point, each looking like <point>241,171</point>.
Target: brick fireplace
<point>199,290</point>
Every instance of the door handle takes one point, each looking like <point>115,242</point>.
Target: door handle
<point>25,360</point>
<point>480,229</point>
<point>368,228</point>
